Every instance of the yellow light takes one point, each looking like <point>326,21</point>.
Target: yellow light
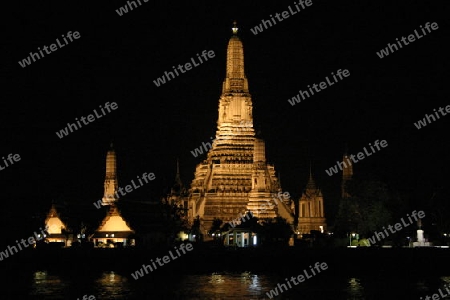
<point>234,29</point>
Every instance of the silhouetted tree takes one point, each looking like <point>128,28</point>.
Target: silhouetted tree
<point>276,231</point>
<point>195,228</point>
<point>215,227</point>
<point>366,210</point>
<point>438,216</point>
<point>174,220</point>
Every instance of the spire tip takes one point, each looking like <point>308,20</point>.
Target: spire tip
<point>234,28</point>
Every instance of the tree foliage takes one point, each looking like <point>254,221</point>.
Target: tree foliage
<point>366,210</point>
<point>215,227</point>
<point>276,231</point>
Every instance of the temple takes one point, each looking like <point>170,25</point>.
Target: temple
<point>178,193</point>
<point>55,228</point>
<point>311,214</point>
<point>233,180</point>
<point>114,230</point>
<point>234,177</point>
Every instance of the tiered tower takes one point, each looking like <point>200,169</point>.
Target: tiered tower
<point>114,228</point>
<point>261,195</point>
<point>110,195</point>
<point>234,177</point>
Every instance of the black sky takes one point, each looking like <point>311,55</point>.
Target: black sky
<point>118,57</point>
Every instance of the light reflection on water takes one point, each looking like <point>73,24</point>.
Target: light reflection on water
<point>105,285</point>
<point>246,285</point>
<point>112,286</point>
<point>224,286</point>
<point>47,286</point>
<point>355,289</point>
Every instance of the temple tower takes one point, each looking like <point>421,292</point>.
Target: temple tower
<point>114,229</point>
<point>311,214</point>
<point>260,198</point>
<point>110,195</point>
<point>232,171</point>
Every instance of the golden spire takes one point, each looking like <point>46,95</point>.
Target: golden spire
<point>235,28</point>
<point>111,164</point>
<point>111,184</point>
<point>235,80</point>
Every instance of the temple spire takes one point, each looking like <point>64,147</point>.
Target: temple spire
<point>347,173</point>
<point>177,176</point>
<point>311,185</point>
<point>234,28</point>
<point>111,185</point>
<point>235,80</point>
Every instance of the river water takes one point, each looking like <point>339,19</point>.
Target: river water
<point>352,274</point>
<point>245,285</point>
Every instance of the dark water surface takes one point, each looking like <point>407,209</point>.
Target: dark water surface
<point>352,274</point>
<point>245,285</point>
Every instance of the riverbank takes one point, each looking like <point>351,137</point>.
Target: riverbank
<point>345,261</point>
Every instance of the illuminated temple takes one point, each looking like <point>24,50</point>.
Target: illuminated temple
<point>55,227</point>
<point>311,214</point>
<point>235,177</point>
<point>110,195</point>
<point>113,229</point>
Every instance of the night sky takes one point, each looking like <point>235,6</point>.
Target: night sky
<point>117,58</point>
